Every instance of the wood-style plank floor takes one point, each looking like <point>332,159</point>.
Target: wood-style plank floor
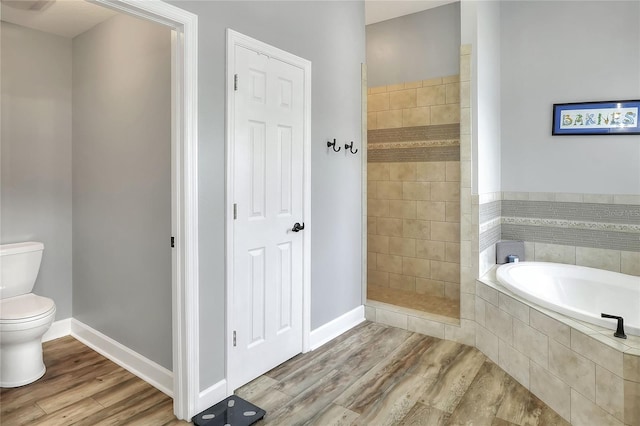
<point>372,375</point>
<point>81,387</point>
<point>377,375</point>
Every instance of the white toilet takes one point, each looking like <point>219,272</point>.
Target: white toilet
<point>24,316</point>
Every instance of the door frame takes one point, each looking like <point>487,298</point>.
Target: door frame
<point>235,38</point>
<point>184,192</point>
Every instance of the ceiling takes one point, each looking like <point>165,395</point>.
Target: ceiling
<point>68,18</point>
<point>381,10</point>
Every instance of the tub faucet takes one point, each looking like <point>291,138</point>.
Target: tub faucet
<point>620,329</point>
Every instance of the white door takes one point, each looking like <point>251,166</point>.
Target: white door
<point>267,289</point>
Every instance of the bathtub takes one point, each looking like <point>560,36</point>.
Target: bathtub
<point>577,291</point>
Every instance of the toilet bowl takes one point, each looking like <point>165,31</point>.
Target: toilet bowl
<point>24,316</point>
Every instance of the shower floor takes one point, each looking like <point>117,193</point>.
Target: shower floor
<point>421,302</point>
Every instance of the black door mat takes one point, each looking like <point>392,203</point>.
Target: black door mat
<point>233,411</point>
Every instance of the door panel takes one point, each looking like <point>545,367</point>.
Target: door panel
<point>266,311</point>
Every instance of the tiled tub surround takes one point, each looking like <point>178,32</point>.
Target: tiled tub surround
<point>600,231</point>
<point>578,369</point>
<point>414,192</point>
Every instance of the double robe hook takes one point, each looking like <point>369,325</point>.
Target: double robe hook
<point>347,146</point>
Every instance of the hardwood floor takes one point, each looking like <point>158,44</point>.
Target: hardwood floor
<point>81,387</point>
<point>372,375</point>
<point>377,375</point>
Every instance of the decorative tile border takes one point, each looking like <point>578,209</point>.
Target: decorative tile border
<point>397,155</point>
<point>572,211</point>
<point>415,133</point>
<point>415,144</point>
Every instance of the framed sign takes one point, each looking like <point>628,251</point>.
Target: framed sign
<point>596,118</point>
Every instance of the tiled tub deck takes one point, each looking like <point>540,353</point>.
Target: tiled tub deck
<point>578,369</point>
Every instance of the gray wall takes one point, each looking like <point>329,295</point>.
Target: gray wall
<point>554,52</point>
<point>122,184</point>
<point>36,153</point>
<point>331,36</point>
<point>414,47</point>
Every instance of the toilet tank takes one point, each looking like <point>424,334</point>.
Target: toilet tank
<point>19,266</point>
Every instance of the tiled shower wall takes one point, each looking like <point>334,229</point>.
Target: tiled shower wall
<point>600,231</point>
<point>414,187</point>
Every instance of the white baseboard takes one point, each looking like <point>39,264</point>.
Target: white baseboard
<point>149,371</point>
<point>336,327</point>
<point>212,395</point>
<point>57,330</point>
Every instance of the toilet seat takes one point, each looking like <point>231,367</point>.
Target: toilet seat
<point>25,308</point>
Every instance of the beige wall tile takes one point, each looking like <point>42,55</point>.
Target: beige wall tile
<point>402,99</point>
<point>371,260</point>
<point>631,402</point>
<point>465,94</point>
<point>431,210</point>
<point>394,87</point>
<point>513,307</point>
<point>372,121</point>
<point>586,413</point>
<point>378,102</point>
<point>450,79</point>
<point>378,89</point>
<point>389,263</point>
<point>416,190</point>
<point>555,253</point>
<point>445,271</point>
<point>465,123</point>
<point>499,323</point>
<point>402,171</point>
<point>390,226</point>
<point>426,327</point>
<point>530,341</point>
<point>389,119</point>
<point>452,213</point>
<point>571,367</point>
<point>487,343</point>
<point>431,171</point>
<point>553,391</point>
<point>551,327</point>
<point>420,116</point>
<point>631,367</point>
<point>598,258</point>
<point>371,225</point>
<point>467,305</point>
<point>389,190</point>
<point>378,171</point>
<point>378,244</point>
<point>445,191</point>
<point>452,252</point>
<point>419,229</point>
<point>427,249</point>
<point>445,231</point>
<point>416,267</point>
<point>413,85</point>
<point>487,293</point>
<point>393,319</point>
<point>430,287</point>
<point>378,278</point>
<point>610,392</point>
<point>445,114</point>
<point>370,313</point>
<point>432,95</point>
<point>402,282</point>
<point>372,186</point>
<point>465,333</point>
<point>377,208</point>
<point>453,93</point>
<point>402,246</point>
<point>432,82</point>
<point>453,171</point>
<point>452,291</point>
<point>597,352</point>
<point>465,66</point>
<point>402,209</point>
<point>514,363</point>
<point>630,262</point>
